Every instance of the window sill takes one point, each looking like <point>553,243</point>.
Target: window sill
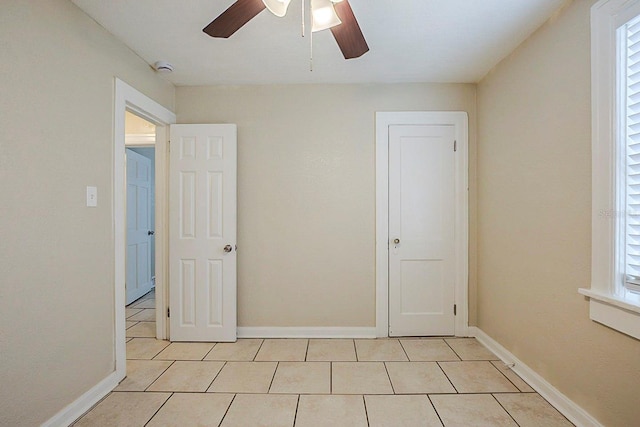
<point>613,312</point>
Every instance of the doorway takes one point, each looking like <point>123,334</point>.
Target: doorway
<point>140,310</point>
<point>140,187</point>
<point>128,99</point>
<point>421,230</point>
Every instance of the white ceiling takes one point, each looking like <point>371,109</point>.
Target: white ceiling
<point>410,40</point>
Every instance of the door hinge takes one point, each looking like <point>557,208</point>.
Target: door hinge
<point>168,312</point>
<point>455,310</point>
<point>455,145</point>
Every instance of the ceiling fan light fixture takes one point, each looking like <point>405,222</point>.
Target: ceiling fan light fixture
<point>324,15</point>
<point>277,7</point>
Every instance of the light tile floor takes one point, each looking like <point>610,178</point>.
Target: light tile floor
<point>141,317</point>
<point>315,382</point>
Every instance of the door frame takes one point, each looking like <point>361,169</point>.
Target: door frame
<point>128,98</point>
<point>460,120</point>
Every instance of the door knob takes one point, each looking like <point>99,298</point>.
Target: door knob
<point>396,241</point>
<point>150,233</point>
<point>228,248</point>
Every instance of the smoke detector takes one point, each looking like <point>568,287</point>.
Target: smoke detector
<point>163,67</point>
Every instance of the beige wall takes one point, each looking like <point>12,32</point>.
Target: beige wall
<point>56,255</point>
<point>534,216</point>
<point>306,192</point>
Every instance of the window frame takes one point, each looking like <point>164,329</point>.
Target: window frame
<point>622,171</point>
<point>611,303</point>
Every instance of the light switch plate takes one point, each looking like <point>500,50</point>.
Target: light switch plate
<point>92,197</point>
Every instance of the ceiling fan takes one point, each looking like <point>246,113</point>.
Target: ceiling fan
<point>334,14</point>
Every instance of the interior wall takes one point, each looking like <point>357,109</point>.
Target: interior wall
<point>534,221</point>
<point>57,255</point>
<point>306,192</point>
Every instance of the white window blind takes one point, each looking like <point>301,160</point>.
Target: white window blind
<point>631,106</point>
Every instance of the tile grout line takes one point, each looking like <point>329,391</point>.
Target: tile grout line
<point>163,372</point>
<point>158,410</point>
<point>447,376</point>
<point>504,375</point>
<point>355,350</point>
<point>549,403</point>
<point>331,377</point>
<point>210,350</point>
<point>140,312</point>
<point>137,321</point>
<point>517,376</point>
<point>404,350</point>
<point>389,376</point>
<point>141,302</point>
<point>452,349</point>
<point>77,420</point>
<point>257,352</point>
<point>366,413</point>
<point>273,377</point>
<point>215,377</point>
<point>127,317</point>
<point>156,355</point>
<point>434,408</point>
<point>227,411</point>
<point>295,414</point>
<point>306,351</point>
<point>473,392</point>
<point>505,410</point>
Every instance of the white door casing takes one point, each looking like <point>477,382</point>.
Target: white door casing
<point>128,98</point>
<point>138,253</point>
<point>202,232</point>
<point>421,230</point>
<point>384,121</point>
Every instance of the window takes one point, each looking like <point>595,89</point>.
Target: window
<point>628,144</point>
<point>615,272</point>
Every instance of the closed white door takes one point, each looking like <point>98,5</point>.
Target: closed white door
<point>138,256</point>
<point>202,236</point>
<point>421,230</point>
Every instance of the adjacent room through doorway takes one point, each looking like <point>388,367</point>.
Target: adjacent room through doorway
<point>140,138</point>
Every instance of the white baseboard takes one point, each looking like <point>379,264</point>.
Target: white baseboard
<point>78,407</point>
<point>305,332</point>
<point>562,403</point>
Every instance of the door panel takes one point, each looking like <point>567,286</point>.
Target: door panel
<point>138,254</point>
<point>202,221</point>
<point>422,219</point>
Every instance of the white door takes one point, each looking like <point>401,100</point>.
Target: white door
<point>421,230</point>
<point>202,236</point>
<point>138,256</point>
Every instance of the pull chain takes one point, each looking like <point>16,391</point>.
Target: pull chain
<point>310,34</point>
<point>311,52</point>
<point>311,42</point>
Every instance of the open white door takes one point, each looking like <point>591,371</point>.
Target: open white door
<point>138,256</point>
<point>421,230</point>
<point>202,236</point>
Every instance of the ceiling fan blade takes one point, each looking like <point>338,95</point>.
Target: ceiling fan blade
<point>232,19</point>
<point>348,35</point>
